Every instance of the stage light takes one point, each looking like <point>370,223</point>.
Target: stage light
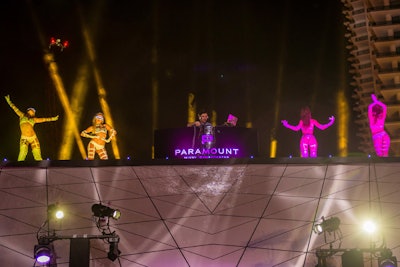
<point>369,227</point>
<point>330,225</point>
<point>55,212</point>
<point>318,229</point>
<point>44,252</point>
<point>52,41</point>
<point>387,259</point>
<point>65,44</point>
<point>101,211</point>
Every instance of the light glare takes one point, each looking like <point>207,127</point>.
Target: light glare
<point>369,227</point>
<point>59,214</point>
<point>43,259</point>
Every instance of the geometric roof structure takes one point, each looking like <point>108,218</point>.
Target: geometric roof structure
<point>203,213</point>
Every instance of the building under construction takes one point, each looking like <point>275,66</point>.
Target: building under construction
<point>373,35</point>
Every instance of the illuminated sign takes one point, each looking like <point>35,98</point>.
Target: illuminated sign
<point>214,152</point>
<point>186,143</point>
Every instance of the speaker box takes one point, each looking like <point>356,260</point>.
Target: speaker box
<point>352,258</point>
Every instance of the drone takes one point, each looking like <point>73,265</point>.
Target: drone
<point>57,43</point>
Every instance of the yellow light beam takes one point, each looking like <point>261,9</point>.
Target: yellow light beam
<point>191,108</point>
<point>343,124</point>
<point>49,59</point>
<point>281,68</point>
<point>79,93</point>
<point>53,71</point>
<point>343,107</point>
<point>106,110</point>
<point>77,98</point>
<point>272,150</point>
<point>101,91</point>
<point>155,89</point>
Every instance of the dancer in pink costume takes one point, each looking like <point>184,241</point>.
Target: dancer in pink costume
<point>308,142</point>
<point>377,116</point>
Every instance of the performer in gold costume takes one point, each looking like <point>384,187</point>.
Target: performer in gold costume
<point>28,136</point>
<point>98,133</point>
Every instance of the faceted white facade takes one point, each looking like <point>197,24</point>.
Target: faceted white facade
<point>259,214</point>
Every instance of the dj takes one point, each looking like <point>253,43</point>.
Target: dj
<point>203,120</point>
<point>205,135</point>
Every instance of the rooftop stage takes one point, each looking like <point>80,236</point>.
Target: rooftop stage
<point>219,212</point>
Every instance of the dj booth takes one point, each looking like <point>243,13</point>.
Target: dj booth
<point>195,143</point>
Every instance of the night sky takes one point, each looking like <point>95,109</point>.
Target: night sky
<point>228,53</point>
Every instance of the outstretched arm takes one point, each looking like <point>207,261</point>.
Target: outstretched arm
<point>195,123</point>
<point>11,104</point>
<point>40,120</point>
<point>292,127</point>
<point>324,126</point>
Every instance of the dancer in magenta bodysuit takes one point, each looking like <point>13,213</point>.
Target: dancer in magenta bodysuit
<point>308,142</point>
<point>377,116</point>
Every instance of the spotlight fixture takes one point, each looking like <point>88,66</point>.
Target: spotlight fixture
<point>44,252</point>
<point>101,211</point>
<point>387,259</point>
<point>55,212</point>
<point>329,226</point>
<point>369,227</point>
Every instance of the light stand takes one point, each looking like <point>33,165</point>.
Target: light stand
<point>80,248</point>
<point>382,254</point>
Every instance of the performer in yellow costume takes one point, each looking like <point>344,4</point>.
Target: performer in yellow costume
<point>98,133</point>
<point>28,136</point>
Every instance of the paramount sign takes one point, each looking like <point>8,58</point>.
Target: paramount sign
<point>214,152</point>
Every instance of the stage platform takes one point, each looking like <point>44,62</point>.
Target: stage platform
<point>229,212</point>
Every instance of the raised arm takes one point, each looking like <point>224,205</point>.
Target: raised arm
<point>377,102</point>
<point>324,126</point>
<point>11,104</point>
<point>292,127</point>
